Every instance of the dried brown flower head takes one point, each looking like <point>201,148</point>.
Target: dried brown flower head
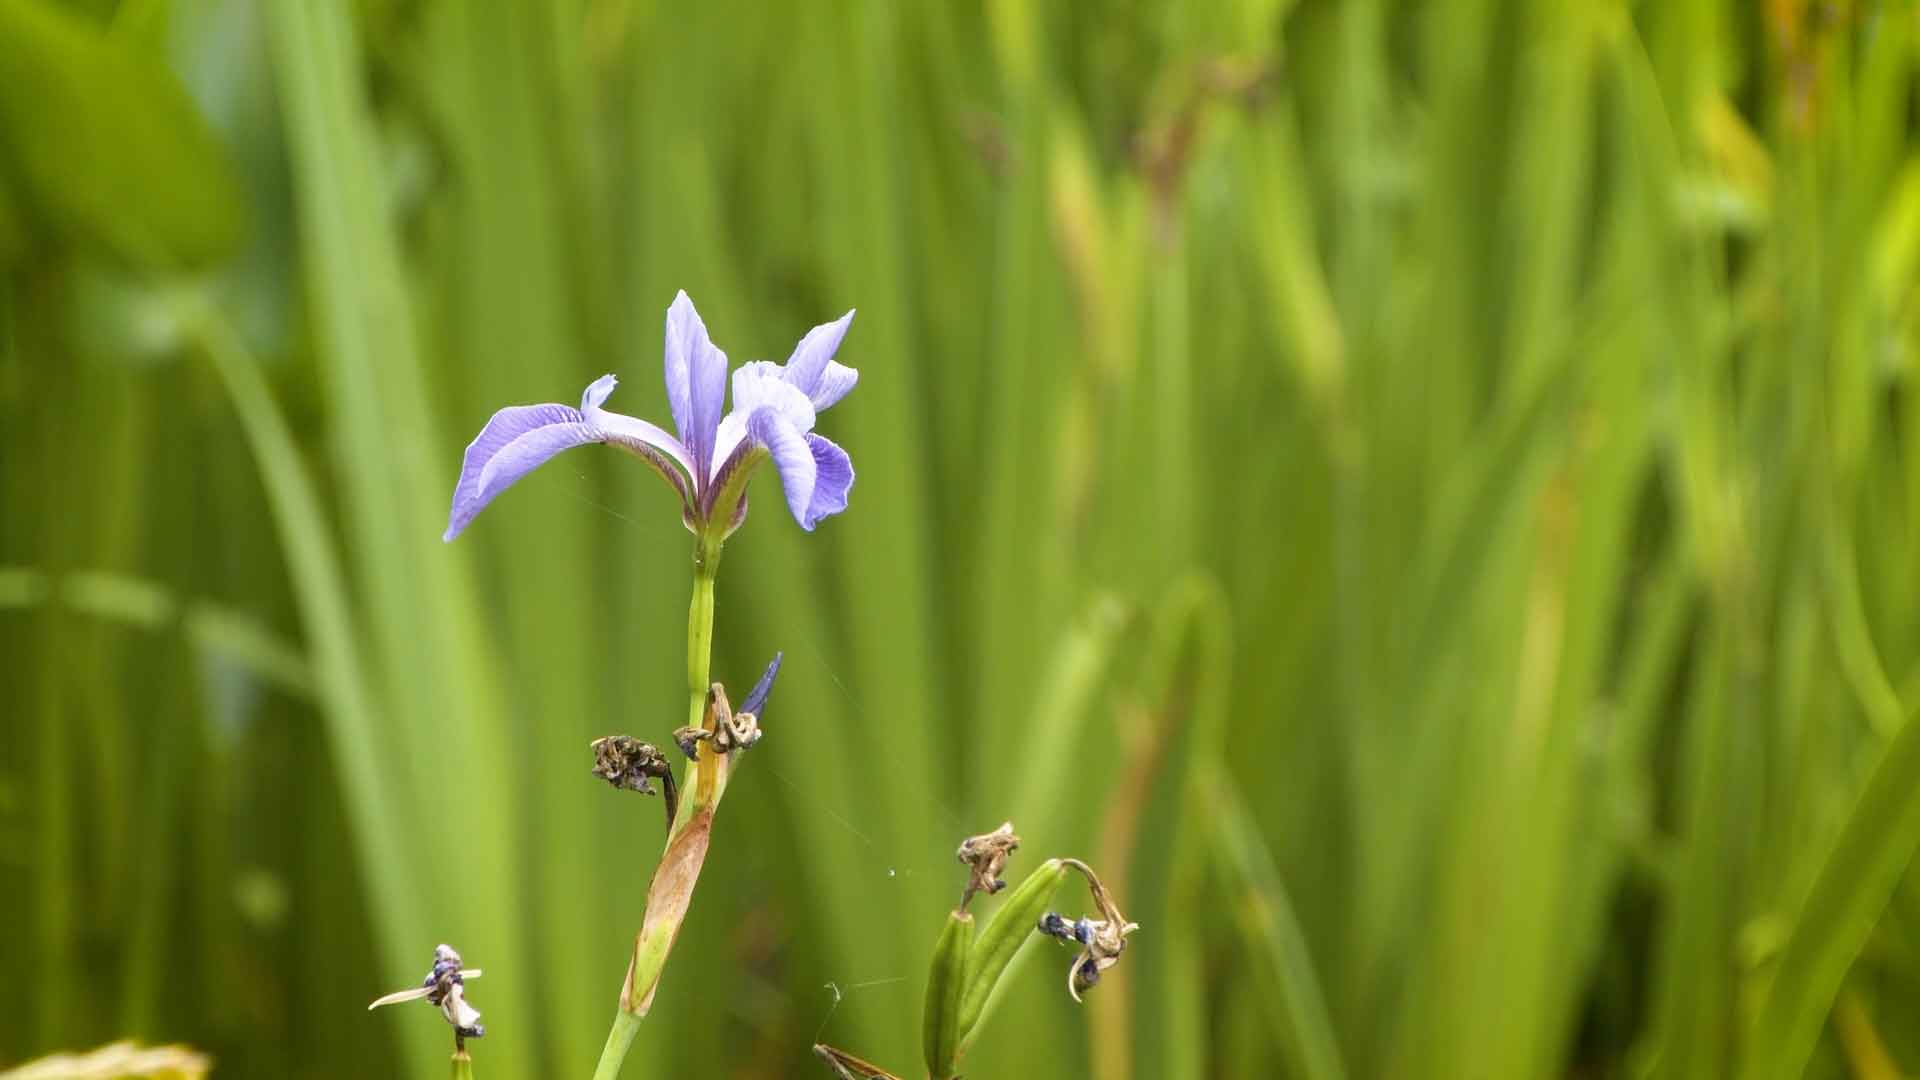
<point>985,857</point>
<point>631,765</point>
<point>1101,940</point>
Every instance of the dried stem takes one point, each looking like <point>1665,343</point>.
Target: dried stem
<point>847,1067</point>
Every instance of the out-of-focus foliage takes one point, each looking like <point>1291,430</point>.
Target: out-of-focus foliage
<point>104,147</point>
<point>120,1061</point>
<point>1425,497</point>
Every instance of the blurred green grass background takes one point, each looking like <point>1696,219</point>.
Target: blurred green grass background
<point>1425,497</point>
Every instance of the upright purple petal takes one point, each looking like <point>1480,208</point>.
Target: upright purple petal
<point>696,375</point>
<point>810,356</point>
<point>791,455</point>
<point>514,441</point>
<point>811,369</point>
<point>685,334</point>
<point>833,478</point>
<point>597,392</point>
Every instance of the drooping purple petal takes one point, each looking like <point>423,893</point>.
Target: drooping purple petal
<point>696,374</point>
<point>515,440</point>
<point>833,478</point>
<point>519,439</point>
<point>791,456</point>
<point>758,385</point>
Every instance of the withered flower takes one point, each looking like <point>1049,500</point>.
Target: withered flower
<point>727,729</point>
<point>629,764</point>
<point>1101,940</point>
<point>444,987</point>
<point>985,856</point>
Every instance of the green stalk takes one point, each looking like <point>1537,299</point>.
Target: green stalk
<point>625,1024</point>
<point>706,564</point>
<point>462,1065</point>
<point>671,891</point>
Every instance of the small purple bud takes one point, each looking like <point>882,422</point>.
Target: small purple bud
<point>757,698</point>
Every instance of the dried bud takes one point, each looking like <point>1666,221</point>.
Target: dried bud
<point>629,764</point>
<point>731,731</point>
<point>688,740</point>
<point>985,856</point>
<point>1101,940</point>
<point>1052,925</point>
<point>626,762</point>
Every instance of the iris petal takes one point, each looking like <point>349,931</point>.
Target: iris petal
<point>835,383</point>
<point>521,438</point>
<point>756,386</point>
<point>696,375</point>
<point>791,455</point>
<point>811,355</point>
<point>514,442</point>
<point>833,478</point>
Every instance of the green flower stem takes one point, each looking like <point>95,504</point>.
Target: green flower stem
<point>462,1065</point>
<point>671,890</point>
<point>625,1024</point>
<point>706,565</point>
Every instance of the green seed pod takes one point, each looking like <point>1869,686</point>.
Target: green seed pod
<point>1002,938</point>
<point>945,979</point>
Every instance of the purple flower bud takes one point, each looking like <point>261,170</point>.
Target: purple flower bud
<point>757,697</point>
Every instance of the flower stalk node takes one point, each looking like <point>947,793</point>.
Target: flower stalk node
<point>725,729</point>
<point>728,730</point>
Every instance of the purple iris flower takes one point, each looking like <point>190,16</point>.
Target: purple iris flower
<point>774,406</point>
